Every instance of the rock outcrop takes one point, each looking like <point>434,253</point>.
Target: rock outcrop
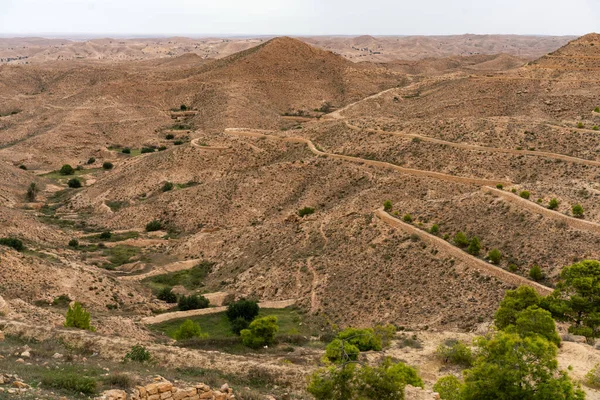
<point>164,390</point>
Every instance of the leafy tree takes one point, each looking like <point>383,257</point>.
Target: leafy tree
<point>525,194</point>
<point>536,273</point>
<point>509,366</point>
<point>74,183</point>
<point>166,294</point>
<point>73,243</point>
<point>460,239</point>
<point>138,353</point>
<point>188,330</point>
<point>553,204</point>
<point>494,256</point>
<point>474,247</point>
<point>153,225</point>
<point>32,191</point>
<point>246,309</point>
<point>455,352</point>
<point>364,339</point>
<point>448,387</point>
<point>513,303</point>
<point>387,205</point>
<point>167,186</point>
<point>577,211</point>
<point>239,324</point>
<point>261,332</point>
<point>333,383</point>
<point>536,321</point>
<point>338,351</point>
<point>192,302</point>
<point>107,165</point>
<point>78,317</point>
<point>15,243</point>
<point>576,298</point>
<point>66,170</point>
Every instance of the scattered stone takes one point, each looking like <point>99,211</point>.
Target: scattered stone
<point>26,354</point>
<point>20,360</point>
<point>57,355</point>
<point>20,385</point>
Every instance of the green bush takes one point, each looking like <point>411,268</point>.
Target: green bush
<point>183,107</point>
<point>500,186</point>
<point>592,378</point>
<point>15,243</point>
<point>553,204</point>
<point>535,321</point>
<point>78,317</point>
<point>407,218</point>
<point>474,247</point>
<point>162,148</point>
<point>435,229</point>
<point>364,339</point>
<point>261,332</point>
<point>335,353</point>
<point>105,235</point>
<point>91,160</point>
<point>577,211</point>
<point>448,387</point>
<point>192,302</point>
<point>70,381</point>
<point>178,142</point>
<point>239,324</point>
<point>107,165</point>
<point>494,256</point>
<point>166,294</point>
<point>126,150</point>
<point>595,128</point>
<point>306,211</point>
<point>387,205</point>
<point>138,353</point>
<point>455,352</point>
<point>246,309</point>
<point>189,330</point>
<point>525,194</point>
<point>167,186</point>
<point>73,243</point>
<point>597,109</point>
<point>32,192</point>
<point>170,136</point>
<point>147,150</point>
<point>460,240</point>
<point>153,226</point>
<point>514,302</point>
<point>580,125</point>
<point>74,183</point>
<point>66,170</point>
<point>536,273</point>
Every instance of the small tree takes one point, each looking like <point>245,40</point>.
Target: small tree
<point>448,387</point>
<point>261,332</point>
<point>474,247</point>
<point>73,243</point>
<point>15,243</point>
<point>167,186</point>
<point>407,218</point>
<point>435,229</point>
<point>74,183</point>
<point>525,194</point>
<point>32,191</point>
<point>338,351</point>
<point>500,186</point>
<point>105,235</point>
<point>460,240</point>
<point>183,107</point>
<point>246,309</point>
<point>154,225</point>
<point>494,256</point>
<point>387,205</point>
<point>138,353</point>
<point>107,165</point>
<point>577,211</point>
<point>91,160</point>
<point>597,109</point>
<point>189,330</point>
<point>513,303</point>
<point>126,150</point>
<point>553,204</point>
<point>66,170</point>
<point>536,321</point>
<point>78,317</point>
<point>536,273</point>
<point>166,294</point>
<point>170,136</point>
<point>192,302</point>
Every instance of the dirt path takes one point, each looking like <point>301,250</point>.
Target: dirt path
<point>314,301</point>
<point>469,260</point>
<point>173,267</point>
<point>206,311</point>
<point>195,143</point>
<point>479,148</point>
<point>380,164</point>
<point>575,223</point>
<point>337,114</point>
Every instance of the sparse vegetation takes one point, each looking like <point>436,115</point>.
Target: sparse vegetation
<point>74,183</point>
<point>153,226</point>
<point>32,192</point>
<point>15,243</point>
<point>306,211</point>
<point>69,381</point>
<point>494,256</point>
<point>78,317</point>
<point>192,302</point>
<point>166,294</point>
<point>455,352</point>
<point>387,205</point>
<point>435,229</point>
<point>190,279</point>
<point>126,150</point>
<point>146,150</point>
<point>138,353</point>
<point>525,194</point>
<point>107,165</point>
<point>460,240</point>
<point>66,170</point>
<point>170,136</point>
<point>167,187</point>
<point>536,273</point>
<point>553,204</point>
<point>577,210</point>
<point>407,218</point>
<point>91,160</point>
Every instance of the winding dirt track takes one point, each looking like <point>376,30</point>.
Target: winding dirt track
<point>195,143</point>
<point>381,164</point>
<point>173,267</point>
<point>477,147</point>
<point>575,223</point>
<point>469,260</point>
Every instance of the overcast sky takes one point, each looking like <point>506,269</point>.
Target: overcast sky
<point>299,17</point>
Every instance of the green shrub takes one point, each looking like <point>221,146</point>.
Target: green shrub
<point>138,353</point>
<point>525,194</point>
<point>553,204</point>
<point>246,309</point>
<point>61,301</point>
<point>24,168</point>
<point>474,247</point>
<point>239,324</point>
<point>448,387</point>
<point>192,302</point>
<point>536,273</point>
<point>460,240</point>
<point>364,339</point>
<point>66,170</point>
<point>595,128</point>
<point>91,160</point>
<point>107,165</point>
<point>577,211</point>
<point>535,321</point>
<point>513,190</point>
<point>592,378</point>
<point>189,330</point>
<point>387,205</point>
<point>435,229</point>
<point>105,235</point>
<point>513,267</point>
<point>166,294</point>
<point>261,332</point>
<point>306,211</point>
<point>162,148</point>
<point>407,218</point>
<point>153,226</point>
<point>74,183</point>
<point>178,142</point>
<point>147,150</point>
<point>167,186</point>
<point>170,136</point>
<point>597,109</point>
<point>500,186</point>
<point>126,150</point>
<point>73,243</point>
<point>580,125</point>
<point>455,352</point>
<point>15,243</point>
<point>32,191</point>
<point>78,317</point>
<point>514,302</point>
<point>70,381</point>
<point>183,107</point>
<point>335,353</point>
<point>494,256</point>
